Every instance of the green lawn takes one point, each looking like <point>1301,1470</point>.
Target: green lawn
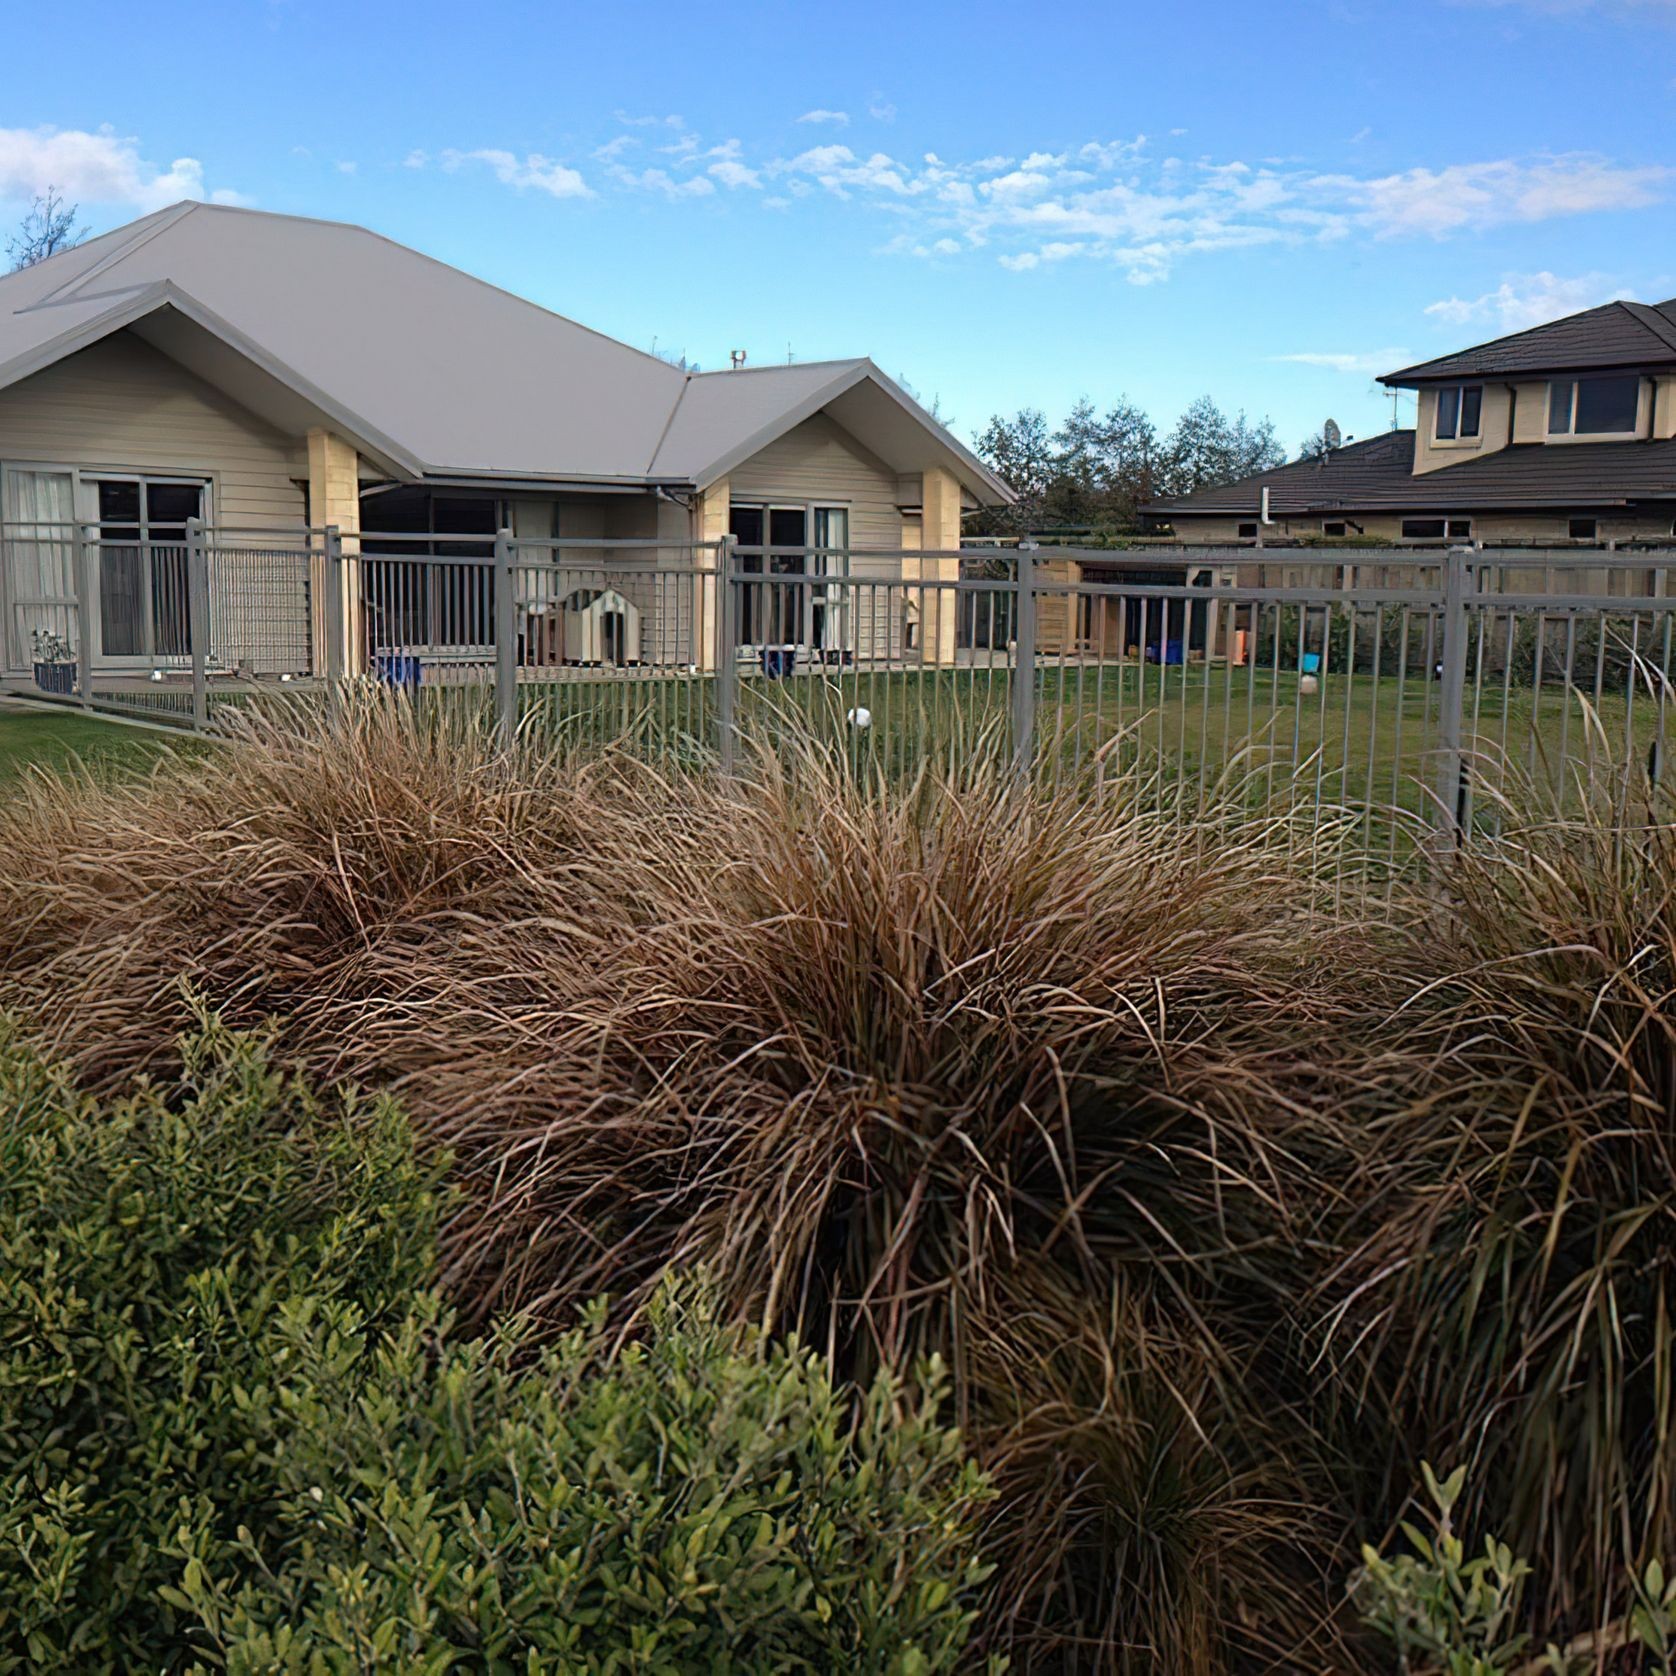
<point>1357,738</point>
<point>31,737</point>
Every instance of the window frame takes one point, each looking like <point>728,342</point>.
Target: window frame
<point>821,610</point>
<point>1457,434</point>
<point>1405,533</point>
<point>1572,533</point>
<point>1573,387</point>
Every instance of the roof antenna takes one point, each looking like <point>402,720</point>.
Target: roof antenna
<point>736,358</point>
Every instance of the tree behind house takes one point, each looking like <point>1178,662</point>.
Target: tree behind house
<point>49,227</point>
<point>1098,470</point>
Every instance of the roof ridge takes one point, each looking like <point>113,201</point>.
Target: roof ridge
<point>1650,318</point>
<point>1490,343</point>
<point>775,366</point>
<point>139,236</point>
<point>187,205</point>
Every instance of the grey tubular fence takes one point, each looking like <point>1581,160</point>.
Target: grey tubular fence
<point>1389,688</point>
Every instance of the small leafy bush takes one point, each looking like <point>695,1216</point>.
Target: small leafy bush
<point>1445,1611</point>
<point>240,1431</point>
<point>147,1251</point>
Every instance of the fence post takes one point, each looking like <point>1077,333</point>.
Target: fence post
<point>727,653</point>
<point>1451,704</point>
<point>334,616</point>
<point>198,620</point>
<point>1024,659</point>
<point>506,641</point>
<point>86,555</point>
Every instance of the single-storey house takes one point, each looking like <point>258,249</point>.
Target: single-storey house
<point>268,373</point>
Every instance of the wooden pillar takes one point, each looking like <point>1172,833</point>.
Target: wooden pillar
<point>940,539</point>
<point>334,497</point>
<point>712,519</point>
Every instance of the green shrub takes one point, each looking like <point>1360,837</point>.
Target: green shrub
<point>1460,1616</point>
<point>698,1502</point>
<point>240,1431</point>
<point>147,1249</point>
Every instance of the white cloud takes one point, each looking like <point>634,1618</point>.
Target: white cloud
<point>1523,300</point>
<point>532,171</point>
<point>1439,201</point>
<point>660,180</point>
<point>101,167</point>
<point>416,159</point>
<point>347,166</point>
<point>734,174</point>
<point>839,119</point>
<point>1368,363</point>
<point>1117,201</point>
<point>881,110</point>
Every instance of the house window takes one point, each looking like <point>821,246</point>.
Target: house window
<point>1459,409</point>
<point>1594,406</point>
<point>1334,528</point>
<point>1460,529</point>
<point>1248,532</point>
<point>1424,529</point>
<point>143,595</point>
<point>1582,529</point>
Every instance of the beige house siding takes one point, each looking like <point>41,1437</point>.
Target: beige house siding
<point>1495,430</point>
<point>124,406</point>
<point>819,463</point>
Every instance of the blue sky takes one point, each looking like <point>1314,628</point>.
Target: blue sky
<point>1001,204</point>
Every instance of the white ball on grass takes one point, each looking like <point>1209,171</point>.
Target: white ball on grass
<point>861,716</point>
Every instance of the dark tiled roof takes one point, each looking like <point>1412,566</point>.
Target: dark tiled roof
<point>1377,476</point>
<point>1620,334</point>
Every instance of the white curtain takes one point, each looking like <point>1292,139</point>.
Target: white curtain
<point>37,533</point>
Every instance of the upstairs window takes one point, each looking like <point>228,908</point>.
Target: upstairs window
<point>1248,532</point>
<point>1594,406</point>
<point>1582,529</point>
<point>1459,408</point>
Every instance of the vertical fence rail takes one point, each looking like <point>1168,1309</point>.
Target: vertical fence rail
<point>1024,660</point>
<point>727,653</point>
<point>506,640</point>
<point>198,621</point>
<point>1451,702</point>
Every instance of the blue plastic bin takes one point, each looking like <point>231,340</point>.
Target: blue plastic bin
<point>397,670</point>
<point>1309,663</point>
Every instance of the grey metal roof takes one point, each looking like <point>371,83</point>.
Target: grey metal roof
<point>435,371</point>
<point>1377,476</point>
<point>1617,334</point>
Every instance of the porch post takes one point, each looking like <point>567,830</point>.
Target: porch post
<point>713,520</point>
<point>940,542</point>
<point>334,498</point>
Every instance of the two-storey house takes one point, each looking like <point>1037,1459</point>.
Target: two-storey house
<point>1565,433</point>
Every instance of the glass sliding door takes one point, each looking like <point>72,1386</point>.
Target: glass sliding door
<point>787,604</point>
